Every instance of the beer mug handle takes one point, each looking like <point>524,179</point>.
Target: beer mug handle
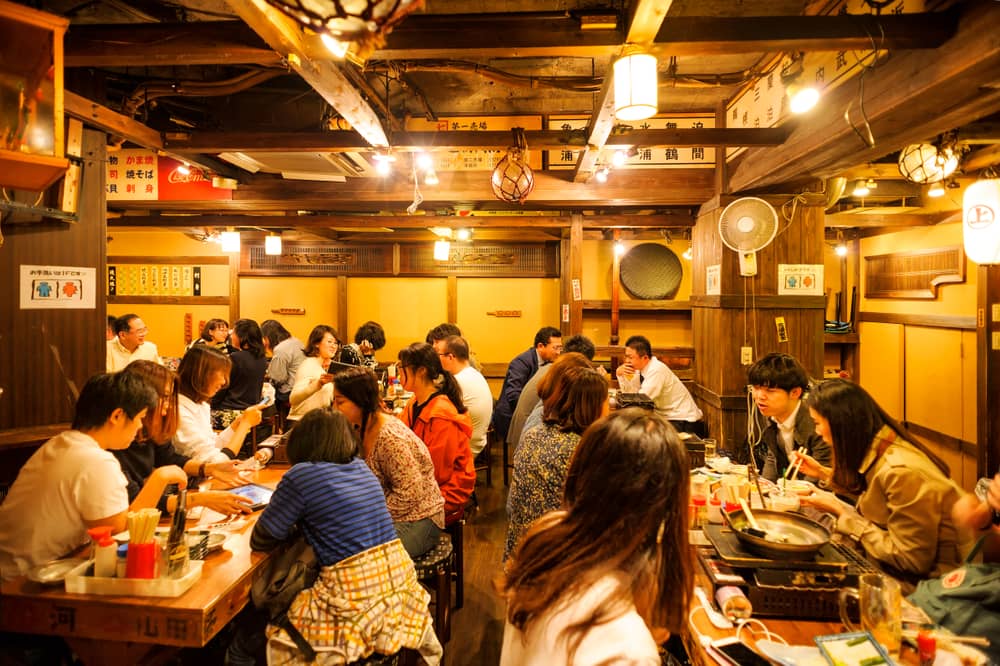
<point>844,595</point>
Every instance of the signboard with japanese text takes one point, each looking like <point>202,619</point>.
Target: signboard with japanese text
<point>153,280</point>
<point>142,175</point>
<point>662,157</point>
<point>765,104</point>
<point>800,279</point>
<point>476,160</point>
<point>58,288</point>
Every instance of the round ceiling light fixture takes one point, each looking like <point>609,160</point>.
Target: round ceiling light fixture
<point>927,163</point>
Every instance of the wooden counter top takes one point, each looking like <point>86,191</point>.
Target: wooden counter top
<point>190,620</point>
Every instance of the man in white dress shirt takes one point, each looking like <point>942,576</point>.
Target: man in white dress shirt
<point>644,373</point>
<point>129,344</point>
<point>454,354</point>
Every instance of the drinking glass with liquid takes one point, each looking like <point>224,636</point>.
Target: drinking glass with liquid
<point>710,449</point>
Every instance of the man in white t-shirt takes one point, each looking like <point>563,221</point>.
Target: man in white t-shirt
<point>73,482</point>
<point>454,354</point>
<point>129,344</point>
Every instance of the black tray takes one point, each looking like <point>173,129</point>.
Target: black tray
<point>732,552</point>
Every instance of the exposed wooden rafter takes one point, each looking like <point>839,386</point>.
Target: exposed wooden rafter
<point>325,76</point>
<point>911,97</point>
<point>346,141</point>
<point>310,222</point>
<point>643,188</point>
<point>500,35</point>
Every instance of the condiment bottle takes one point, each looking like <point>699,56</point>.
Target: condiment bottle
<point>120,564</point>
<point>105,552</point>
<point>700,512</point>
<point>926,647</point>
<point>177,550</point>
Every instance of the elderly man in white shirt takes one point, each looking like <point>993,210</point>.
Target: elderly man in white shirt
<point>644,373</point>
<point>476,395</point>
<point>129,344</point>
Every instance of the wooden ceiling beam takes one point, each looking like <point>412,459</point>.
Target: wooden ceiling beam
<point>166,44</point>
<point>312,222</point>
<point>911,97</point>
<point>868,220</point>
<point>645,19</point>
<point>325,76</point>
<point>429,37</point>
<point>348,141</point>
<point>641,188</point>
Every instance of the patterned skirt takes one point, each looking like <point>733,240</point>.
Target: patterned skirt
<point>370,602</point>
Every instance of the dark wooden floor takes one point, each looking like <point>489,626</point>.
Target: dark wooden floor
<point>477,629</point>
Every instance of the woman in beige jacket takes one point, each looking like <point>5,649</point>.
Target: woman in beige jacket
<point>902,517</point>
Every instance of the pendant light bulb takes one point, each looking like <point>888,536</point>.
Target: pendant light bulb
<point>272,244</point>
<point>619,249</point>
<point>431,178</point>
<point>860,189</point>
<point>230,240</point>
<point>635,86</point>
<point>619,158</point>
<point>442,249</point>
<point>936,190</point>
<point>601,175</point>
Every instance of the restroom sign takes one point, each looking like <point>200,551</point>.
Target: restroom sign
<point>58,288</point>
<point>800,279</point>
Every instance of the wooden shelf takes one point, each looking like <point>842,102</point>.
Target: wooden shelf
<point>22,171</point>
<point>841,339</point>
<point>637,306</point>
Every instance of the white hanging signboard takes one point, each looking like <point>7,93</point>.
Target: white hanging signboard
<point>58,288</point>
<point>800,279</point>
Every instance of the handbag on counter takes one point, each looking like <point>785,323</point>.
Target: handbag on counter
<point>624,400</point>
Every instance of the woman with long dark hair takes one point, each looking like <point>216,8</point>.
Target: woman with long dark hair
<point>591,582</point>
<point>246,379</point>
<point>902,517</point>
<point>439,418</point>
<point>367,596</point>
<point>398,458</point>
<point>313,387</point>
<point>576,395</point>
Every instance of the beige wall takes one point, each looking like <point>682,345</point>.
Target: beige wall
<point>166,322</point>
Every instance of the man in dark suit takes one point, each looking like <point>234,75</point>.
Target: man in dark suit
<point>548,346</point>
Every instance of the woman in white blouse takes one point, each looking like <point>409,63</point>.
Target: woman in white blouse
<point>313,384</point>
<point>202,373</point>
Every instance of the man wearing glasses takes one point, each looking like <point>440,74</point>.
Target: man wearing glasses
<point>129,344</point>
<point>454,354</point>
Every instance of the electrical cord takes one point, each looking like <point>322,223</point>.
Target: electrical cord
<point>768,635</point>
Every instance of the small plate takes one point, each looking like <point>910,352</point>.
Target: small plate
<point>54,572</point>
<point>215,540</point>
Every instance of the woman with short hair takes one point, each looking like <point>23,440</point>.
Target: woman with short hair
<point>399,459</point>
<point>367,595</point>
<point>592,582</point>
<point>215,333</point>
<point>202,373</point>
<point>902,516</point>
<point>313,387</point>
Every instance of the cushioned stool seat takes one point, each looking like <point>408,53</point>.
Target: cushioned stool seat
<point>434,571</point>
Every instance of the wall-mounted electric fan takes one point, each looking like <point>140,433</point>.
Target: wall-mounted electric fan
<point>746,226</point>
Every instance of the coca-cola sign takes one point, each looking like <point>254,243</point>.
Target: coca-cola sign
<point>192,175</point>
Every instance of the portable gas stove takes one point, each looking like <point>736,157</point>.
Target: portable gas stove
<point>783,588</point>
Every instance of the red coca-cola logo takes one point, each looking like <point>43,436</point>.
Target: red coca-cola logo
<point>979,216</point>
<point>193,176</point>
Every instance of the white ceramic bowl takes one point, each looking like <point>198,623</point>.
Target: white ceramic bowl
<point>789,502</point>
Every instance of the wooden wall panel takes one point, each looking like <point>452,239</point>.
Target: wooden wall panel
<point>47,355</point>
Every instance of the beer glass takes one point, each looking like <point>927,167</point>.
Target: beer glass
<point>880,600</point>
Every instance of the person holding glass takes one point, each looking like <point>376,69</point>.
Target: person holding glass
<point>313,383</point>
<point>902,517</point>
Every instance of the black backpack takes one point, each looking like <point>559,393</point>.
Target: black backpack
<point>285,575</point>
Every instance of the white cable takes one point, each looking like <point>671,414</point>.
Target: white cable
<point>768,634</point>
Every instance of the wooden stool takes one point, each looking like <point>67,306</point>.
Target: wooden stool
<point>485,458</point>
<point>434,572</point>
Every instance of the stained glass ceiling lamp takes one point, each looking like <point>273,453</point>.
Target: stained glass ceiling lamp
<point>635,85</point>
<point>345,21</point>
<point>927,163</point>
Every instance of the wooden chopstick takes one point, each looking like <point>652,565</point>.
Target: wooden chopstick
<point>967,640</point>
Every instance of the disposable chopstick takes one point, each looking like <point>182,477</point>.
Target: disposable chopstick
<point>749,514</point>
<point>967,640</point>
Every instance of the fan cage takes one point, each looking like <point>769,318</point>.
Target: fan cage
<point>761,212</point>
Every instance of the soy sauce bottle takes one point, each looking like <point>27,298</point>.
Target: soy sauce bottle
<point>177,550</point>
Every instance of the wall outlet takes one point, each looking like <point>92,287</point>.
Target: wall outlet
<point>746,355</point>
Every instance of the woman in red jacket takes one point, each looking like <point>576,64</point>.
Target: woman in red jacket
<point>438,417</point>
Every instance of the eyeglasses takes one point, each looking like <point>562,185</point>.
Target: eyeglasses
<point>139,331</point>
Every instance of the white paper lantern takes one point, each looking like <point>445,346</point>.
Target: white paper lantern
<point>980,223</point>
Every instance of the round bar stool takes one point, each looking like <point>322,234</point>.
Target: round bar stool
<point>434,572</point>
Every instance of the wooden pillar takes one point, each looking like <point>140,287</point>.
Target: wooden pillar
<point>988,371</point>
<point>744,313</point>
<point>571,277</point>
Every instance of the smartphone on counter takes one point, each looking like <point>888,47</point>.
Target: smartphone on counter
<point>732,652</point>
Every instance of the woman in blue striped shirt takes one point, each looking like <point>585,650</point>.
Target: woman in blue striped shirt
<point>367,592</point>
